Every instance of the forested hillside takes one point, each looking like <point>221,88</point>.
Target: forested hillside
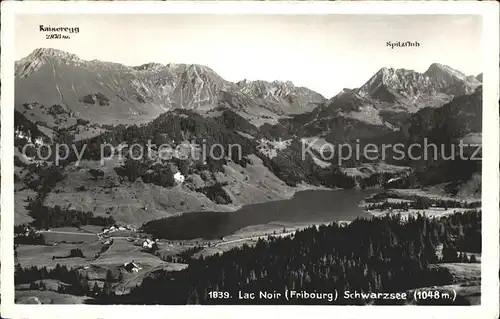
<point>384,254</point>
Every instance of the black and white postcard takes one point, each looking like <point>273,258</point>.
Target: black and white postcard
<point>250,154</point>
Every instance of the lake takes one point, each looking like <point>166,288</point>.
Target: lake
<point>311,206</point>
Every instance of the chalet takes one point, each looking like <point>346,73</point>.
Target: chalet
<point>39,141</point>
<point>179,178</point>
<point>131,267</point>
<point>148,243</point>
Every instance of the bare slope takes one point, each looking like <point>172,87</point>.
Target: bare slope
<point>110,93</point>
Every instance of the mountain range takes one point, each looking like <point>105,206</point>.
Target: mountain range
<point>112,93</point>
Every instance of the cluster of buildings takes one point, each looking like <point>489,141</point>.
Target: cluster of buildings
<point>27,232</point>
<point>21,135</point>
<point>113,229</point>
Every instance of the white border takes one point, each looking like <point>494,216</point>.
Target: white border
<point>489,307</point>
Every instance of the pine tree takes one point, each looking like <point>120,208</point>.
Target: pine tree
<point>473,258</point>
<point>107,289</point>
<point>109,276</point>
<point>96,290</point>
<point>34,286</point>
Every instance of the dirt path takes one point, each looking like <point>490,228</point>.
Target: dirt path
<point>80,233</point>
<point>67,233</point>
<point>254,238</point>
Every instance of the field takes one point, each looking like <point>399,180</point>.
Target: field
<point>46,297</point>
<point>466,281</point>
<point>40,256</point>
<point>103,254</point>
<point>431,212</point>
<point>400,196</point>
<point>100,256</point>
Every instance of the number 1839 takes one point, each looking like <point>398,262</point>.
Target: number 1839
<point>219,295</point>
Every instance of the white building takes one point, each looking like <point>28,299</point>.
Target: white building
<point>179,178</point>
<point>39,141</point>
<point>148,243</point>
<point>20,134</point>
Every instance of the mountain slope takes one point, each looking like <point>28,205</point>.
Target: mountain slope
<point>459,121</point>
<point>412,90</point>
<point>292,99</point>
<point>108,92</point>
<point>380,106</point>
<point>111,93</point>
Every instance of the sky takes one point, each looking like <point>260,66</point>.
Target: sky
<point>325,53</point>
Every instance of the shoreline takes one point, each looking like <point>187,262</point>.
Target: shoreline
<point>292,191</point>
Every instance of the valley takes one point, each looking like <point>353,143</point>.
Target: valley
<point>100,226</point>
